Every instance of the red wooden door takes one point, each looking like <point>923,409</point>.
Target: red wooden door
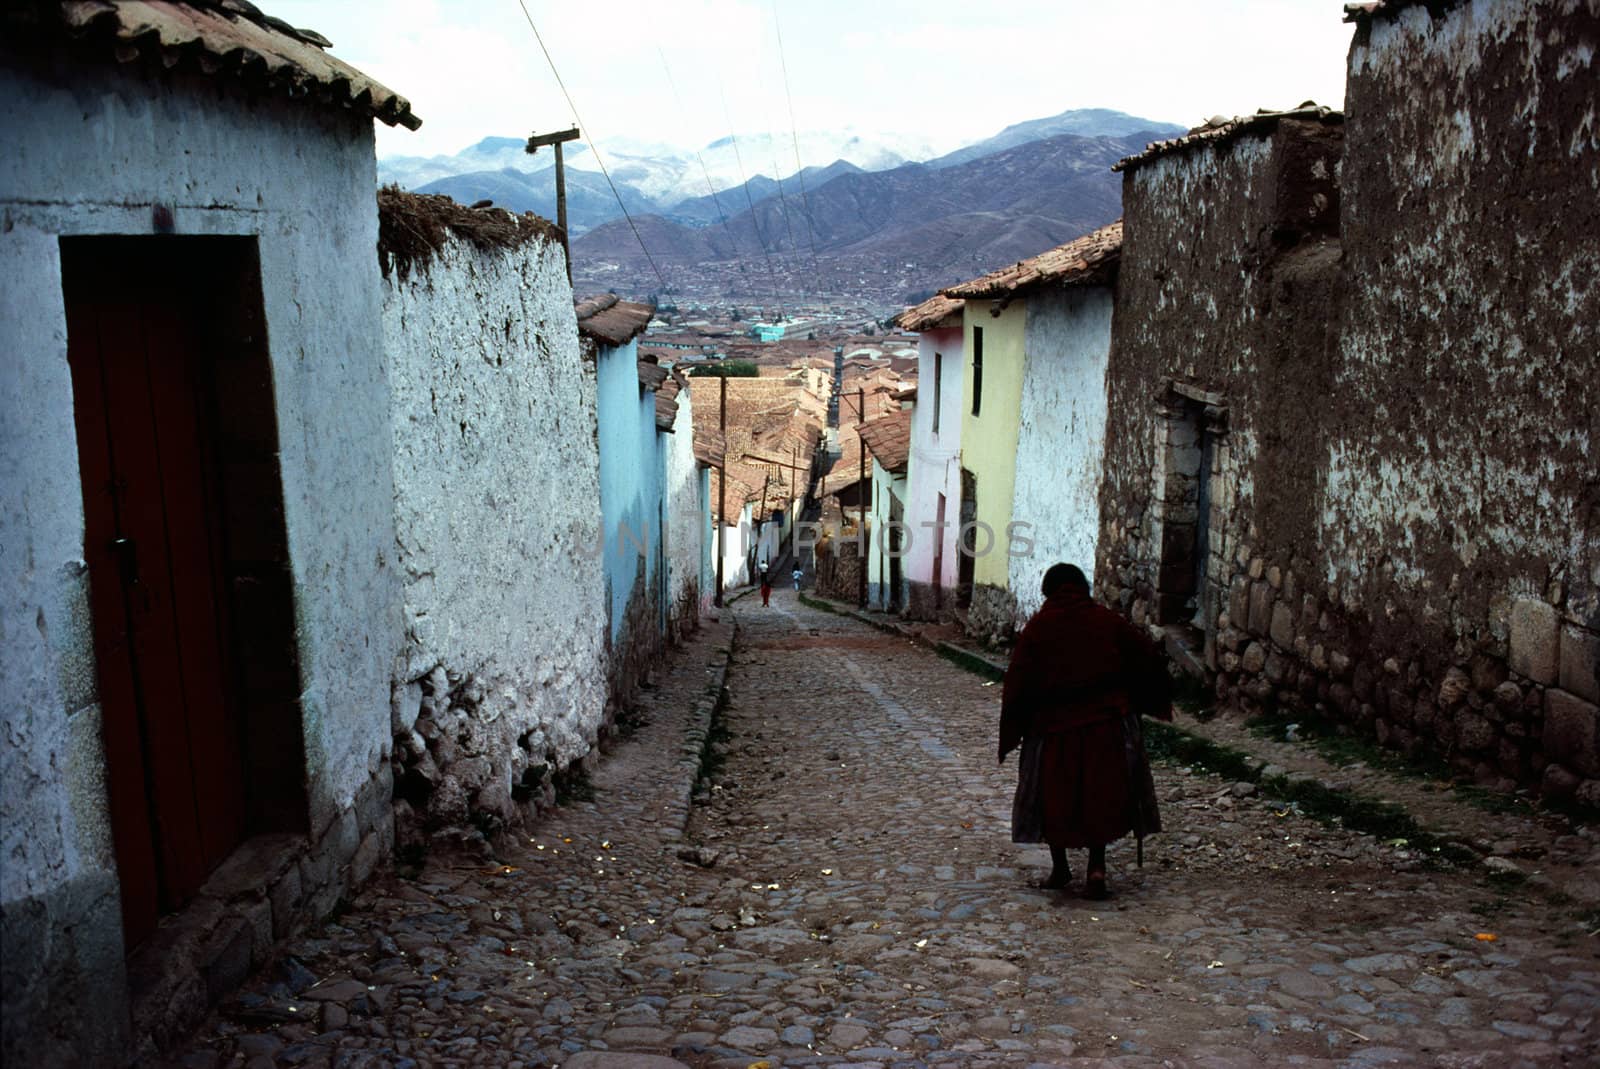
<point>175,776</point>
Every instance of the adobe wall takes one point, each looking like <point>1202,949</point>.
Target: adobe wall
<point>503,680</point>
<point>686,522</point>
<point>633,515</point>
<point>1460,517</point>
<point>93,152</point>
<point>1060,444</point>
<point>934,469</point>
<point>1224,334</point>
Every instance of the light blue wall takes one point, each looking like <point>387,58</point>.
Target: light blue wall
<point>631,475</point>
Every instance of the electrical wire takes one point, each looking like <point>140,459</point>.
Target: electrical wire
<point>705,171</point>
<point>794,133</point>
<point>593,148</point>
<point>755,220</point>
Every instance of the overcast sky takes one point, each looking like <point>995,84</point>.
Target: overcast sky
<point>947,72</point>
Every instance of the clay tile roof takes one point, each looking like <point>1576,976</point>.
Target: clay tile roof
<point>651,374</point>
<point>1220,130</point>
<point>223,39</point>
<point>671,385</point>
<point>937,311</point>
<point>710,448</point>
<point>1090,260</point>
<point>843,477</point>
<point>889,439</point>
<point>610,321</point>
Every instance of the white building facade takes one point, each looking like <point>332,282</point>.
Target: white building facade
<point>933,477</point>
<point>191,312</point>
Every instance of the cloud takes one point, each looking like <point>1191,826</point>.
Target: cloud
<point>946,71</point>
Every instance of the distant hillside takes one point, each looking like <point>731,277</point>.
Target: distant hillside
<point>589,199</point>
<point>703,210</point>
<point>950,222</point>
<point>672,183</point>
<point>1085,122</point>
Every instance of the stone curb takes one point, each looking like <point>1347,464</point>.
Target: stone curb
<point>970,659</point>
<point>697,734</point>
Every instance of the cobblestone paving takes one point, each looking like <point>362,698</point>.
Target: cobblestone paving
<point>848,895</point>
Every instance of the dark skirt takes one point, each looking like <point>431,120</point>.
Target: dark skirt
<point>1084,785</point>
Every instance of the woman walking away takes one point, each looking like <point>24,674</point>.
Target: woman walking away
<point>766,588</point>
<point>1079,678</point>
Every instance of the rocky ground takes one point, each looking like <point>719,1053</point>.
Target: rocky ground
<point>846,894</point>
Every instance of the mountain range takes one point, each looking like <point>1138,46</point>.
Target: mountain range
<point>719,180</point>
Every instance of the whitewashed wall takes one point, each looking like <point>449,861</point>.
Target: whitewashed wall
<point>935,468</point>
<point>734,543</point>
<point>91,151</point>
<point>685,517</point>
<point>497,518</point>
<point>1061,440</point>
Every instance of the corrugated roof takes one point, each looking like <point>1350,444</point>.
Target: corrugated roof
<point>935,312</point>
<point>611,321</point>
<point>223,39</point>
<point>889,439</point>
<point>1090,260</point>
<point>1220,130</point>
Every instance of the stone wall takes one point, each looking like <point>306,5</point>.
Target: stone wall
<point>839,564</point>
<point>1387,432</point>
<point>992,616</point>
<point>1222,350</point>
<point>1460,515</point>
<point>496,482</point>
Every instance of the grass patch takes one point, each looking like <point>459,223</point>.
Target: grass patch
<point>1339,746</point>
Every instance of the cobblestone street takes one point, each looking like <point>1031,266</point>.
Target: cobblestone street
<point>846,893</point>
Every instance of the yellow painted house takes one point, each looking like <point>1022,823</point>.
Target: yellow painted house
<point>991,383</point>
<point>1033,377</point>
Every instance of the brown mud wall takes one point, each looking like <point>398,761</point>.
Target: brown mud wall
<point>1391,352</point>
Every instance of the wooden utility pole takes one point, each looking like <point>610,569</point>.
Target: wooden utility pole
<point>794,508</point>
<point>537,141</point>
<point>722,485</point>
<point>861,497</point>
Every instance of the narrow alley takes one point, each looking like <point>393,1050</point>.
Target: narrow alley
<point>844,892</point>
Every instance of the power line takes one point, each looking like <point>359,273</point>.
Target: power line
<point>794,133</point>
<point>744,184</point>
<point>593,147</point>
<point>710,186</point>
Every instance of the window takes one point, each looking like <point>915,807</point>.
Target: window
<point>938,372</point>
<point>977,369</point>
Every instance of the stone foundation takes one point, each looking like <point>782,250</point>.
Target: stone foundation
<point>924,601</point>
<point>839,571</point>
<point>1518,706</point>
<point>992,618</point>
<point>268,889</point>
